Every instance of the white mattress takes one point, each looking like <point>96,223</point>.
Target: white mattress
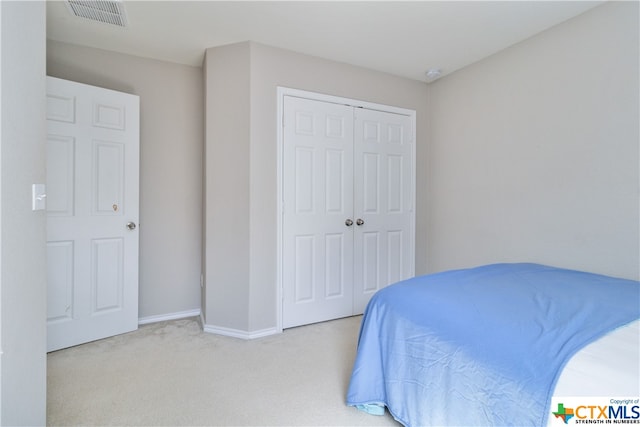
<point>610,366</point>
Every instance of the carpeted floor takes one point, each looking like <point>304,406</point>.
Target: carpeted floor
<point>171,373</point>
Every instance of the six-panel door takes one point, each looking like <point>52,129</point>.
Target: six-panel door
<point>92,207</point>
<point>318,196</point>
<point>383,201</point>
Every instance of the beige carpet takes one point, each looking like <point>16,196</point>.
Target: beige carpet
<point>172,373</point>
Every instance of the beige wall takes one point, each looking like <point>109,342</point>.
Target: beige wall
<point>22,252</point>
<point>171,146</point>
<point>227,187</point>
<point>254,179</point>
<point>534,151</point>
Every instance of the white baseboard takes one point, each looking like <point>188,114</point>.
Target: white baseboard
<point>236,333</point>
<point>219,330</point>
<point>168,316</point>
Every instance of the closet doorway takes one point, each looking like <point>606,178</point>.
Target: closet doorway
<point>347,212</point>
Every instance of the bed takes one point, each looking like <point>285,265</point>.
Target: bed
<point>487,345</point>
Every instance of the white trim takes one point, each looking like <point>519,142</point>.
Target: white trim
<point>279,205</point>
<point>169,316</point>
<point>236,333</point>
<point>281,93</point>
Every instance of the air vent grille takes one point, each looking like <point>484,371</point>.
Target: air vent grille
<point>105,11</point>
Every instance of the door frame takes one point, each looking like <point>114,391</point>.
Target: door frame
<point>315,96</point>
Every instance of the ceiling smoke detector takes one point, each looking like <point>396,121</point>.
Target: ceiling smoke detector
<point>433,74</point>
<point>105,11</point>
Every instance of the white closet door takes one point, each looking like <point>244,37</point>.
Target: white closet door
<point>317,245</point>
<point>383,208</point>
<point>348,219</point>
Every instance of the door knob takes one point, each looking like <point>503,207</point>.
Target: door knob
<point>359,221</point>
<point>131,225</point>
<point>348,222</point>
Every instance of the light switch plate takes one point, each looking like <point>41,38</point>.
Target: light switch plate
<point>38,197</point>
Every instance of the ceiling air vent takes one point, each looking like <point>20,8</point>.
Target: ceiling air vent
<point>105,11</point>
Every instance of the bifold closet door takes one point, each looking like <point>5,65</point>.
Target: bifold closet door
<point>317,240</point>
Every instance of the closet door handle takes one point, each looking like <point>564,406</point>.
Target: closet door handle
<point>359,221</point>
<point>348,222</point>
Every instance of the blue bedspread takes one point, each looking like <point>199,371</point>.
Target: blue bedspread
<point>483,346</point>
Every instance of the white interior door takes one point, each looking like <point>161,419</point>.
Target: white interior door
<point>92,213</point>
<point>317,245</point>
<point>383,202</point>
<point>348,216</point>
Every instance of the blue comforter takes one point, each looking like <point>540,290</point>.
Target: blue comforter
<point>483,346</point>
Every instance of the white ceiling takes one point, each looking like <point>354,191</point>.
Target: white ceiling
<point>401,38</point>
